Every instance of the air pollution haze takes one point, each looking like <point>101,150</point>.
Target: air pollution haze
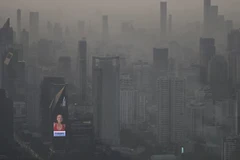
<point>120,79</point>
<point>145,12</point>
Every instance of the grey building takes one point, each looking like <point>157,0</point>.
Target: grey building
<point>82,69</point>
<point>106,93</point>
<point>34,26</point>
<point>207,51</point>
<point>163,19</point>
<point>19,24</point>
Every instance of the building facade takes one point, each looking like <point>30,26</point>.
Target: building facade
<point>106,94</point>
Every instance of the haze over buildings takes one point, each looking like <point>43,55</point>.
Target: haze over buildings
<point>120,80</point>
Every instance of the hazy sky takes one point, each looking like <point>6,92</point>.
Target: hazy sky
<point>142,11</point>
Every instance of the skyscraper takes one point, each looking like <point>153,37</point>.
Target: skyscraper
<point>6,34</point>
<point>128,102</point>
<point>6,121</point>
<point>228,26</point>
<point>234,57</point>
<point>105,31</point>
<point>213,21</point>
<point>6,39</point>
<point>50,86</point>
<point>171,104</point>
<point>196,111</point>
<point>163,19</point>
<point>18,24</point>
<point>142,75</point>
<point>207,51</point>
<point>160,61</point>
<point>218,77</point>
<point>230,148</point>
<point>234,41</point>
<point>106,94</point>
<point>82,69</point>
<point>34,26</point>
<point>206,13</point>
<point>237,110</point>
<point>24,40</point>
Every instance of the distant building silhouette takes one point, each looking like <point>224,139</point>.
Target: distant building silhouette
<point>160,61</point>
<point>206,15</point>
<point>6,34</point>
<point>24,40</point>
<point>218,77</point>
<point>207,51</point>
<point>19,29</point>
<point>45,52</point>
<point>234,57</point>
<point>105,28</point>
<point>34,26</point>
<point>82,69</point>
<point>163,19</point>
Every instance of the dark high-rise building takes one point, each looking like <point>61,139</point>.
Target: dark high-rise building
<point>160,67</point>
<point>227,29</point>
<point>81,28</point>
<point>50,86</point>
<point>237,129</point>
<point>105,31</point>
<point>6,122</point>
<point>34,26</point>
<point>234,41</point>
<point>234,57</point>
<point>64,68</point>
<point>206,15</point>
<point>82,69</point>
<point>82,133</point>
<point>6,34</point>
<point>24,41</point>
<point>220,30</point>
<point>207,51</point>
<point>213,20</point>
<point>106,98</point>
<point>10,72</point>
<point>20,82</point>
<point>218,77</point>
<point>163,19</point>
<point>6,39</point>
<point>18,24</point>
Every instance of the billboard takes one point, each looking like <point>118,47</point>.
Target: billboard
<point>59,127</point>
